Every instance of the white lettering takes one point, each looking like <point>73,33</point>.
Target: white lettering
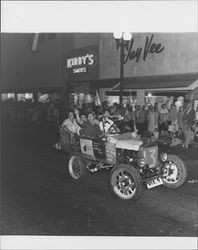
<point>69,65</point>
<point>79,70</point>
<point>84,59</point>
<point>91,60</point>
<point>81,60</point>
<point>75,61</point>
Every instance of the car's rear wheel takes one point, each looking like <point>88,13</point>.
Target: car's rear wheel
<point>125,183</point>
<point>77,167</point>
<point>175,172</point>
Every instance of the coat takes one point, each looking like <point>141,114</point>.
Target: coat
<point>189,117</point>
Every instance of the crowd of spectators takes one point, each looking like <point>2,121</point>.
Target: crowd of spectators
<point>28,111</point>
<point>146,120</point>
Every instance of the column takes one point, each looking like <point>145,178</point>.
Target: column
<point>140,97</point>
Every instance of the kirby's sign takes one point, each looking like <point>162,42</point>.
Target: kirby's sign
<point>150,47</point>
<point>82,64</point>
<point>81,61</point>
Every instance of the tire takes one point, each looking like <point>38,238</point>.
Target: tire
<point>78,171</point>
<point>125,183</point>
<point>178,174</point>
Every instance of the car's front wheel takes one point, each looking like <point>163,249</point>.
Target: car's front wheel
<point>77,167</point>
<point>175,172</point>
<point>125,183</point>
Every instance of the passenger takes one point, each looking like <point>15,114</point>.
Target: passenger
<point>83,119</point>
<point>80,117</point>
<point>91,127</point>
<point>69,126</point>
<point>106,123</point>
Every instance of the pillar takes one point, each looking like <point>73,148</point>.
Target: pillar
<point>102,93</point>
<point>35,96</point>
<point>140,97</point>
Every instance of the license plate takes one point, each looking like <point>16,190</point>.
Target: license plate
<point>154,182</point>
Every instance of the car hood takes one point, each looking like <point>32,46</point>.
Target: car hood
<point>125,141</point>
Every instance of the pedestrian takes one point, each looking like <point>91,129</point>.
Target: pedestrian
<point>173,124</point>
<point>196,114</point>
<point>180,121</point>
<point>163,119</point>
<point>129,118</point>
<point>189,116</point>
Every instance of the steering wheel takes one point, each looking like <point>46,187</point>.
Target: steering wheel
<point>113,129</point>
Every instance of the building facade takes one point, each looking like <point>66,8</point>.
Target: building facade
<point>156,64</point>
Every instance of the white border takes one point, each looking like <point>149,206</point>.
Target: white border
<point>72,242</point>
<point>99,16</point>
<point>105,16</point>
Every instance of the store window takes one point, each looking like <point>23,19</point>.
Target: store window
<point>78,99</point>
<point>7,96</point>
<point>24,96</point>
<point>43,98</point>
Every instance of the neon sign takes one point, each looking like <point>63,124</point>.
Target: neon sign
<point>87,60</point>
<point>82,64</point>
<point>150,47</point>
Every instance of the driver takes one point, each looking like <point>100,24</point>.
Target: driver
<point>106,123</point>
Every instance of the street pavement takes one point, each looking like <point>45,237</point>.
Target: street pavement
<point>38,197</point>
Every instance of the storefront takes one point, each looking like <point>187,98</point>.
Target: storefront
<point>32,65</point>
<point>157,66</point>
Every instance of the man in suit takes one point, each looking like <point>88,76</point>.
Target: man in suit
<point>189,115</point>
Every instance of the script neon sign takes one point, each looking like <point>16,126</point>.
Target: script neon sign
<point>150,47</point>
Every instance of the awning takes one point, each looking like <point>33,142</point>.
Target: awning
<point>192,95</point>
<point>178,82</point>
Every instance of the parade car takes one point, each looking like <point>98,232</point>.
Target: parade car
<point>135,163</point>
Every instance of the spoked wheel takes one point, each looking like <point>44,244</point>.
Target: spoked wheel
<point>77,167</point>
<point>175,172</point>
<point>125,183</point>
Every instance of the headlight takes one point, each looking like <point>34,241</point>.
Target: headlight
<point>141,162</point>
<point>163,157</point>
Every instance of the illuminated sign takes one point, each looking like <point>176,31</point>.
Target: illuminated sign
<point>81,60</point>
<point>150,47</point>
<point>82,64</point>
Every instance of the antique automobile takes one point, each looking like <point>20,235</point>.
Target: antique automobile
<point>135,163</point>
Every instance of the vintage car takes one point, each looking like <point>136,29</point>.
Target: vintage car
<point>135,163</point>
